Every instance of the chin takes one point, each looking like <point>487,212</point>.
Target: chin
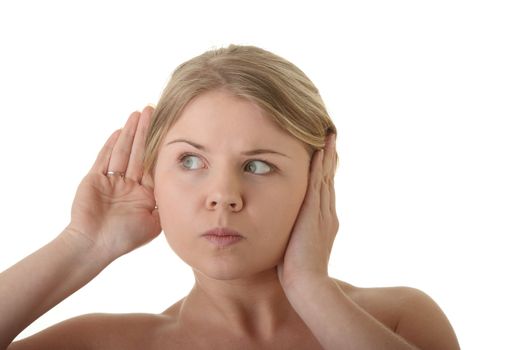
<point>230,263</point>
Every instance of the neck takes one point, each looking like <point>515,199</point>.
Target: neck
<point>251,307</point>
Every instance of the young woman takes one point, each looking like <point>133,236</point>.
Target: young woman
<point>236,167</point>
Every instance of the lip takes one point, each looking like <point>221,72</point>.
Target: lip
<point>221,231</point>
<point>223,236</point>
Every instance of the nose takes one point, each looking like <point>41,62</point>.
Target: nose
<point>225,193</point>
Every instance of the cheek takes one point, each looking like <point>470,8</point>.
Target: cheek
<point>281,208</point>
<point>176,202</point>
<point>173,190</point>
<point>178,223</point>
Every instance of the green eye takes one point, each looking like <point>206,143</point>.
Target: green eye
<point>257,167</point>
<point>187,161</point>
<point>264,169</point>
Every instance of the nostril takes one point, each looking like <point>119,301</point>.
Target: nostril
<point>233,205</point>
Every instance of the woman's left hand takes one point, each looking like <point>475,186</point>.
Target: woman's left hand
<point>314,231</point>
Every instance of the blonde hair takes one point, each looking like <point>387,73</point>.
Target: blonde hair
<point>273,83</point>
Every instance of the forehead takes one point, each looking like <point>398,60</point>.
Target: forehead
<point>220,116</point>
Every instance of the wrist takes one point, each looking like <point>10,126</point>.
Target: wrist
<point>302,282</point>
<point>85,247</point>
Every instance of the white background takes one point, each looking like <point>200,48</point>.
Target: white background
<point>428,98</point>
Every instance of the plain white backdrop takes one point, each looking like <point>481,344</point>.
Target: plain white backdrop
<point>428,98</point>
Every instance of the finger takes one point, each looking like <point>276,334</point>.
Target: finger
<point>324,193</point>
<point>312,197</point>
<point>332,201</point>
<point>328,161</point>
<point>332,177</point>
<point>316,170</point>
<point>327,178</point>
<point>102,161</point>
<point>334,155</point>
<point>135,165</point>
<point>120,154</point>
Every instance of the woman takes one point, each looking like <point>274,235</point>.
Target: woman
<point>236,166</point>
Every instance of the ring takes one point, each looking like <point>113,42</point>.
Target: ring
<point>121,174</point>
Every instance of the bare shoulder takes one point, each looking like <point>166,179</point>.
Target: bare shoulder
<point>387,299</point>
<point>409,312</point>
<point>384,304</point>
<point>96,331</point>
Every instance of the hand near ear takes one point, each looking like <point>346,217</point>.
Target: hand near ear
<point>116,211</point>
<point>314,231</point>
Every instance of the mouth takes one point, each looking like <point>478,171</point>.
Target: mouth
<point>222,236</point>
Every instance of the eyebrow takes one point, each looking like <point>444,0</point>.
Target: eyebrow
<point>247,153</point>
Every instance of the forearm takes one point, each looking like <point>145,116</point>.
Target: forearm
<point>37,283</point>
<point>337,321</point>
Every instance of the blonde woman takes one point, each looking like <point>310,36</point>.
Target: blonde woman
<point>236,166</point>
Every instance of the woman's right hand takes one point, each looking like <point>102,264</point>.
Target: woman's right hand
<point>114,213</point>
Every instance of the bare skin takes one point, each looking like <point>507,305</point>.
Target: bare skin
<point>269,291</point>
<point>170,330</point>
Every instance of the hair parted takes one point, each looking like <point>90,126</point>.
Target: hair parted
<point>276,85</point>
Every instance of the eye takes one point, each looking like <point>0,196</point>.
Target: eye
<point>189,161</point>
<point>192,162</point>
<point>264,167</point>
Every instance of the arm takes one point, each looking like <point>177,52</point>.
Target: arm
<point>339,323</point>
<point>110,216</point>
<point>335,319</point>
<point>42,280</point>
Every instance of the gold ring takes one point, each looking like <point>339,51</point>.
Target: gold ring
<point>121,174</point>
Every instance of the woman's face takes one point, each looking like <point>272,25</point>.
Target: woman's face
<point>221,181</point>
